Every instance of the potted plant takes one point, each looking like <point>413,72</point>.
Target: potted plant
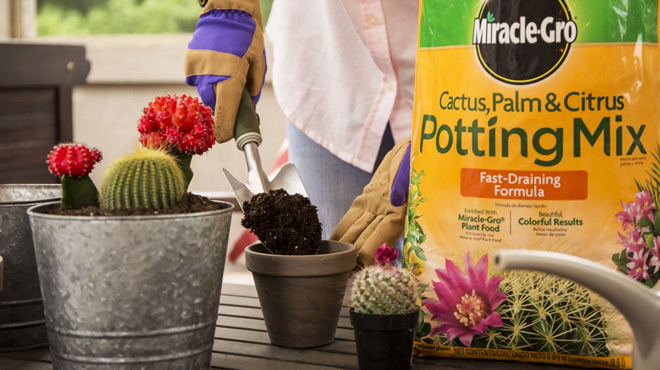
<point>21,308</point>
<point>384,313</point>
<point>133,282</point>
<point>300,279</point>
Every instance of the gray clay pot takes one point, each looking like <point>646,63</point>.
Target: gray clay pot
<point>301,296</point>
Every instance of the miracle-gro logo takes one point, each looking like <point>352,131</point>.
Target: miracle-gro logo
<point>550,31</point>
<point>523,42</point>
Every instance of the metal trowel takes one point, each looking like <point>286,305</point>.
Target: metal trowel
<point>248,138</point>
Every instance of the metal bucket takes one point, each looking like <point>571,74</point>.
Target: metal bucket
<point>21,308</point>
<point>131,292</point>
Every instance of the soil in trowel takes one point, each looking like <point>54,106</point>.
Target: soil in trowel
<point>284,223</point>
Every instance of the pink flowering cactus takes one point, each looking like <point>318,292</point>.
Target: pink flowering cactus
<point>466,301</point>
<point>640,256</point>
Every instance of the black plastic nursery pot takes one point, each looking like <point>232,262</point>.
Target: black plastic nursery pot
<point>384,342</point>
<point>301,296</point>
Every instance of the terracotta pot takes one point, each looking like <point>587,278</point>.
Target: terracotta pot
<point>301,296</point>
<point>384,342</point>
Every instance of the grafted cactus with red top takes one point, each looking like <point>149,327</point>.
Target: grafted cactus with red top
<point>182,125</point>
<point>73,163</point>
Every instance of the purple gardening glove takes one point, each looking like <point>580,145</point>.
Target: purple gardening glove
<point>225,55</point>
<point>399,191</point>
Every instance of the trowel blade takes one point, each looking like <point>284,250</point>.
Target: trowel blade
<point>288,178</point>
<point>241,191</point>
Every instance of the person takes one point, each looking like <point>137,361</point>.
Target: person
<point>343,75</point>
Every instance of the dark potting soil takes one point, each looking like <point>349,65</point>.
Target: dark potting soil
<point>190,203</point>
<point>284,223</point>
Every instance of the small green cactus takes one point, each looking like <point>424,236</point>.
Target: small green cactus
<point>149,178</point>
<point>547,313</point>
<point>385,289</point>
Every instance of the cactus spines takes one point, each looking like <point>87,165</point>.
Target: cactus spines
<point>547,313</point>
<point>149,178</point>
<point>384,289</point>
<point>73,163</point>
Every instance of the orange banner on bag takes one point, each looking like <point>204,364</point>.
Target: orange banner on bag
<point>530,185</point>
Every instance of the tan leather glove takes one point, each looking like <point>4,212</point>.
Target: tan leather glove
<point>372,219</point>
<point>226,53</point>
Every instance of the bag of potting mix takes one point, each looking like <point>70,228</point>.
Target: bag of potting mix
<point>535,127</point>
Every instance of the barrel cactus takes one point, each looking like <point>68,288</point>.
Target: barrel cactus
<point>547,313</point>
<point>383,288</point>
<point>149,178</point>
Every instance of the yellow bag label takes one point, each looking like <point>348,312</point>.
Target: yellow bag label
<point>535,126</point>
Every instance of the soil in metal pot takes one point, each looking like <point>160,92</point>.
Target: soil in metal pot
<point>190,203</point>
<point>284,223</point>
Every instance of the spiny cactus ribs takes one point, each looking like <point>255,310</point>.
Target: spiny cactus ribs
<point>150,178</point>
<point>384,290</point>
<point>550,314</point>
<point>184,123</point>
<point>75,160</point>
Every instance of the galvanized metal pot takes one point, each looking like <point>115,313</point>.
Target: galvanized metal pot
<point>301,295</point>
<point>131,292</point>
<point>21,309</point>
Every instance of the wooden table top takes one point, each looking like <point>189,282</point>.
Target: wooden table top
<point>241,342</point>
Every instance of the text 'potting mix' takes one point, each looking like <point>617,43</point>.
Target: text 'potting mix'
<point>533,121</point>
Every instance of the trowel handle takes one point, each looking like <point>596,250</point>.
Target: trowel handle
<point>246,129</point>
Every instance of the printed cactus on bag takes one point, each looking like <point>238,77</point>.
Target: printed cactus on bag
<point>519,310</point>
<point>383,288</point>
<point>550,314</point>
<point>149,178</point>
<point>466,301</point>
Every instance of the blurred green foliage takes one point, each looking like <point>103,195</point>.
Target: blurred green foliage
<point>84,17</point>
